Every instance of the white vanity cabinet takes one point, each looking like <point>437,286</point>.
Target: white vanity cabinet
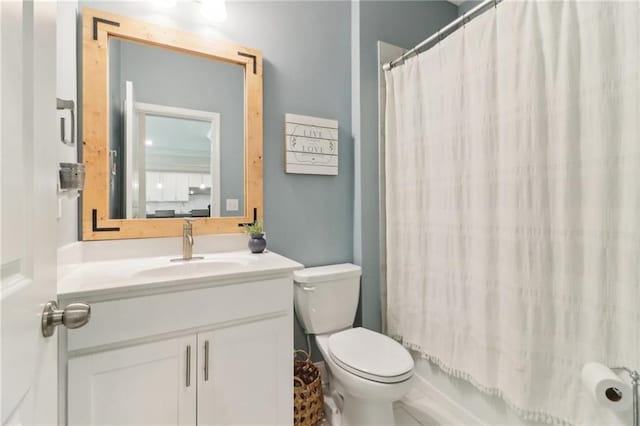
<point>232,375</point>
<point>214,351</point>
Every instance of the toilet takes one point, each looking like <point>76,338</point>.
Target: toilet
<point>368,370</point>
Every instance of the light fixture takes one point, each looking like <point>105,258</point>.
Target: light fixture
<point>159,185</point>
<point>213,10</point>
<point>148,142</point>
<point>166,4</point>
<point>202,186</point>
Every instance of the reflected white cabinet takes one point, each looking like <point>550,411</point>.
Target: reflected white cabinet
<point>199,180</point>
<point>195,179</point>
<point>181,191</point>
<point>154,186</point>
<point>214,354</point>
<point>164,186</point>
<point>169,186</point>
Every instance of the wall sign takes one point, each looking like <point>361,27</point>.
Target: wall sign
<point>311,145</point>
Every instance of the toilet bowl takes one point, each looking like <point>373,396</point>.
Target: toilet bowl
<point>369,370</point>
<point>372,371</point>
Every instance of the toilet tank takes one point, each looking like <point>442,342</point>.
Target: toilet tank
<point>326,297</point>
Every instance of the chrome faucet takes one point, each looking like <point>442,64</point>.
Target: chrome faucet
<point>187,243</point>
<point>187,240</point>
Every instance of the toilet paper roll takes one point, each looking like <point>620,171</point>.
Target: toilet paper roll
<point>606,386</point>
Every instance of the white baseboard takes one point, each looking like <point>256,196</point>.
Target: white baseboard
<point>429,402</point>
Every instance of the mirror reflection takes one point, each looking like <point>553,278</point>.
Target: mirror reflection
<point>176,134</point>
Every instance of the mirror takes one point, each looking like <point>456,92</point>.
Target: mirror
<point>176,134</point>
<point>172,129</point>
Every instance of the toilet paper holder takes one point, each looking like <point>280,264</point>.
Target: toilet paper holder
<point>635,382</point>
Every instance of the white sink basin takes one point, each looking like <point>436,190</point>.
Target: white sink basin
<point>195,267</point>
<point>120,276</point>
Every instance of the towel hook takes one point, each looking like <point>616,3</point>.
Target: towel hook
<point>63,104</point>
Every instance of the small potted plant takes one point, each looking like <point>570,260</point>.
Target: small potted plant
<point>257,243</point>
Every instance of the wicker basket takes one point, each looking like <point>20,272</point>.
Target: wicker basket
<point>308,403</point>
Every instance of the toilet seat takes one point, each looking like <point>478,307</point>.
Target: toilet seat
<point>370,355</point>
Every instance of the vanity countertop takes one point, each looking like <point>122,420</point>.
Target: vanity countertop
<point>146,275</point>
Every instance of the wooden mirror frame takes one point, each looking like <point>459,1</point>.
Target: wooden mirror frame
<point>97,27</point>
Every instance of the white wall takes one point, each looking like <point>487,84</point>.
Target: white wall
<point>66,89</point>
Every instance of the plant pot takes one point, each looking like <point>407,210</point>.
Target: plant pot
<point>257,243</point>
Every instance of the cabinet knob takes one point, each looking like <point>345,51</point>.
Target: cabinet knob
<point>74,315</point>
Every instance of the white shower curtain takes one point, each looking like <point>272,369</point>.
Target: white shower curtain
<point>513,202</point>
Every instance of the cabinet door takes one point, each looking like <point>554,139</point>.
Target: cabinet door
<point>195,179</point>
<point>250,374</point>
<point>182,187</point>
<point>206,179</point>
<point>139,385</point>
<point>168,186</point>
<point>154,186</point>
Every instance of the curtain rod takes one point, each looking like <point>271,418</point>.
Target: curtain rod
<point>444,32</point>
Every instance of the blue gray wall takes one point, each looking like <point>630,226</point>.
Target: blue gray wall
<point>306,51</point>
<point>405,24</point>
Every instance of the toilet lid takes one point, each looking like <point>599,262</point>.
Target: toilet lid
<point>371,355</point>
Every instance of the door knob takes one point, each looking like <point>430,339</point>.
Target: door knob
<point>74,315</point>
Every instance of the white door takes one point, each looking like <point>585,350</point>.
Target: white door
<point>29,142</point>
<point>147,384</point>
<point>246,377</point>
